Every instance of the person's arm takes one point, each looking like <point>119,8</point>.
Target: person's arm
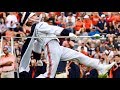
<point>71,43</point>
<point>51,29</point>
<point>9,63</point>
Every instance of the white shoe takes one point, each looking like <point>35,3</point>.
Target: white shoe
<point>40,76</point>
<point>106,68</point>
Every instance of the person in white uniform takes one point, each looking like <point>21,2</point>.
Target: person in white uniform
<point>54,53</point>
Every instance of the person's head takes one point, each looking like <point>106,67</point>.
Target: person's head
<point>50,22</point>
<point>79,18</point>
<point>2,21</point>
<point>68,39</point>
<point>70,14</point>
<point>97,49</point>
<point>5,50</point>
<point>110,23</point>
<point>82,30</point>
<point>110,47</point>
<point>62,13</point>
<point>86,17</point>
<point>118,27</point>
<point>82,48</point>
<point>92,45</point>
<point>93,28</point>
<point>117,58</point>
<point>95,14</point>
<point>103,17</point>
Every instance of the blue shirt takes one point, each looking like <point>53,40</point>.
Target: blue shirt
<point>91,33</point>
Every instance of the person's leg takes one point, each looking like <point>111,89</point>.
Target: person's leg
<point>69,54</point>
<point>10,74</point>
<point>52,55</point>
<point>3,75</point>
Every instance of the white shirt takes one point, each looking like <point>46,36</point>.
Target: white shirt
<point>79,48</point>
<point>10,18</point>
<point>46,30</point>
<point>72,19</point>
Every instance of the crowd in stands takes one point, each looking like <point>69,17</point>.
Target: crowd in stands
<point>107,48</point>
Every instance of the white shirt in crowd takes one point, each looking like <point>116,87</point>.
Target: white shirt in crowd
<point>79,48</point>
<point>9,19</point>
<point>110,54</point>
<point>72,19</point>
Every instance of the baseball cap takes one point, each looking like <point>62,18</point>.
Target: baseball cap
<point>103,15</point>
<point>86,16</point>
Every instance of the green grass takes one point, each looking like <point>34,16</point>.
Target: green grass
<point>103,76</point>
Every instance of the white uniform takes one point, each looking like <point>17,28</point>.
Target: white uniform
<point>54,52</point>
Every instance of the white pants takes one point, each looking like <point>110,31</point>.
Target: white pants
<point>54,53</point>
<point>7,74</point>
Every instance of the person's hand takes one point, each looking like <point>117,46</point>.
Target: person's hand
<point>105,28</point>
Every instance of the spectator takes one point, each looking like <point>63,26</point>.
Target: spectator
<point>102,46</point>
<point>11,20</point>
<point>62,17</point>
<point>78,24</point>
<point>83,51</point>
<point>87,23</point>
<point>93,31</point>
<point>33,68</point>
<point>73,70</point>
<point>97,53</point>
<point>93,74</point>
<point>10,33</point>
<point>110,28</point>
<point>2,27</point>
<point>81,44</point>
<point>102,24</point>
<point>91,49</point>
<point>70,25</point>
<point>118,31</point>
<point>3,15</point>
<point>52,17</point>
<point>7,64</point>
<point>117,44</point>
<point>70,16</point>
<point>42,16</point>
<point>95,18</point>
<point>109,52</point>
<point>115,71</point>
<point>82,32</point>
<point>110,38</point>
<point>68,43</point>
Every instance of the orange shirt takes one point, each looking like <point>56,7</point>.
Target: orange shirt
<point>115,18</point>
<point>85,53</point>
<point>78,25</point>
<point>95,20</point>
<point>57,13</point>
<point>87,23</point>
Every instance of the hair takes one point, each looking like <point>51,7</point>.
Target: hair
<point>96,48</point>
